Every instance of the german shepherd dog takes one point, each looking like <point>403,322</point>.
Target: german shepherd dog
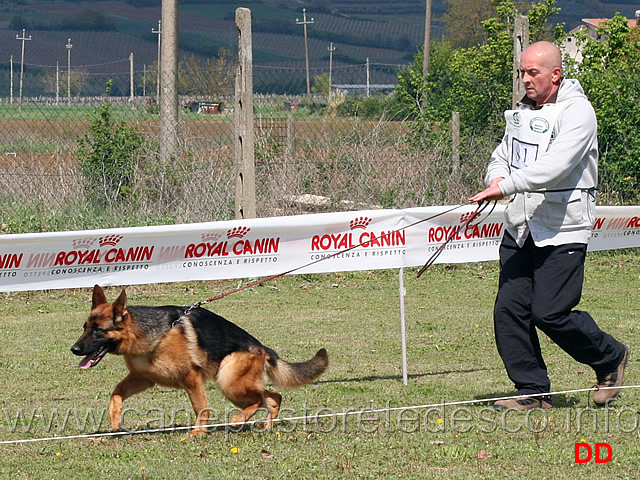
<point>169,347</point>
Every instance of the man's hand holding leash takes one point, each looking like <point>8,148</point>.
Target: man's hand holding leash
<point>490,194</point>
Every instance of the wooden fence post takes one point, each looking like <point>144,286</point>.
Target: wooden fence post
<point>520,42</point>
<point>244,139</point>
<point>455,143</point>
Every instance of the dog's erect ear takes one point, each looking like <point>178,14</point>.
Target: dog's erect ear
<point>120,307</point>
<point>98,297</point>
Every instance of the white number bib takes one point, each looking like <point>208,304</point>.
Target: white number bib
<point>529,133</point>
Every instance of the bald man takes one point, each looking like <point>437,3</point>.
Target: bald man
<point>547,165</point>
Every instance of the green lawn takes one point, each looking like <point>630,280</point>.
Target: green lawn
<point>451,356</point>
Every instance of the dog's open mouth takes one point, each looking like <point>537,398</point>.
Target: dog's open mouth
<point>93,359</point>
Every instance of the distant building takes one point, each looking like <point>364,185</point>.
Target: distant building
<point>571,48</point>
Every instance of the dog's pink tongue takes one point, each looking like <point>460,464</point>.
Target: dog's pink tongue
<point>93,359</point>
<point>86,362</point>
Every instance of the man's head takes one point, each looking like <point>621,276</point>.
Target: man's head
<point>541,72</point>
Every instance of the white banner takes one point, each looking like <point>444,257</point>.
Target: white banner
<point>363,240</point>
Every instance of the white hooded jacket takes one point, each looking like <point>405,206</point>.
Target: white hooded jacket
<point>553,197</point>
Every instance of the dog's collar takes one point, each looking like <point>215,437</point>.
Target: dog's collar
<point>178,320</point>
<point>187,311</point>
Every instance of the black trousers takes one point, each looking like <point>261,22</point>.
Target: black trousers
<point>539,288</point>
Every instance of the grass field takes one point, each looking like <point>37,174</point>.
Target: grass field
<point>451,356</point>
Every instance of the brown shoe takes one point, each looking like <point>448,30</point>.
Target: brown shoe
<point>521,403</point>
<point>612,379</point>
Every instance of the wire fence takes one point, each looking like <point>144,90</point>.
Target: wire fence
<point>312,154</point>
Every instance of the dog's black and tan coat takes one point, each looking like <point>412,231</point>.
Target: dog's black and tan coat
<point>165,346</point>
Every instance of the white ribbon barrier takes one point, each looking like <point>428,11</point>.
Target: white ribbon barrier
<point>269,246</point>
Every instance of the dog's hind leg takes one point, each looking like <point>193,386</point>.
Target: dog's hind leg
<point>251,403</point>
<point>130,385</point>
<point>272,402</point>
<point>241,380</point>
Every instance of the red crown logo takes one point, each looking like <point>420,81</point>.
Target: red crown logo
<point>465,217</point>
<point>359,222</point>
<point>83,243</point>
<point>109,240</point>
<point>238,232</point>
<point>211,236</point>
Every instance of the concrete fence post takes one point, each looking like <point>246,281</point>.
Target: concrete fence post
<point>245,206</point>
<point>520,42</point>
<point>169,82</point>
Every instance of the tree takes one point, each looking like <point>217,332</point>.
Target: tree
<point>212,76</point>
<point>53,82</point>
<point>608,74</point>
<point>321,84</point>
<point>463,22</point>
<point>475,81</point>
<point>539,15</point>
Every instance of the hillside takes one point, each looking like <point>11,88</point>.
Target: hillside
<point>105,32</point>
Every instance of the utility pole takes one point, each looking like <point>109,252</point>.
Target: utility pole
<point>23,39</point>
<point>69,46</point>
<point>57,83</point>
<point>368,78</point>
<point>11,88</point>
<point>159,32</point>
<point>304,23</point>
<point>331,49</point>
<point>131,85</point>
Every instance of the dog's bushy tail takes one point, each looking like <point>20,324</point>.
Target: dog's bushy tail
<point>286,375</point>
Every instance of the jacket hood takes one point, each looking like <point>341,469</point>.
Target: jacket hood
<point>570,88</point>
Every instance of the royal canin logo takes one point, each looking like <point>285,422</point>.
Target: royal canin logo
<point>83,243</point>
<point>210,236</point>
<point>358,236</point>
<point>235,244</point>
<point>10,261</point>
<point>238,232</point>
<point>360,222</point>
<point>111,240</point>
<point>462,231</point>
<point>622,223</point>
<point>84,251</point>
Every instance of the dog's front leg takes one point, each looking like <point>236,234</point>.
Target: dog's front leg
<point>130,385</point>
<point>195,387</point>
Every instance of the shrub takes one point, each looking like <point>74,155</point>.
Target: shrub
<point>108,154</point>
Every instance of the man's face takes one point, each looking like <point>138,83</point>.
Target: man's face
<point>540,80</point>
